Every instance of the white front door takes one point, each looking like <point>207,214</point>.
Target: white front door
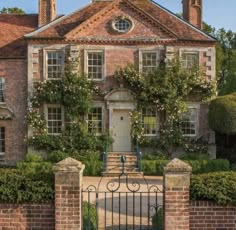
<point>121,130</point>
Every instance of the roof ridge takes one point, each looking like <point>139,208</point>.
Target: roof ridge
<point>182,20</point>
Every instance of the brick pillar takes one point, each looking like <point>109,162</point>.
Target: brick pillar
<point>68,186</point>
<point>176,195</point>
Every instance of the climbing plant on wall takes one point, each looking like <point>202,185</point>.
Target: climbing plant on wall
<point>75,94</point>
<point>168,89</point>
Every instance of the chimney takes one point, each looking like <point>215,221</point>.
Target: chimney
<point>47,11</point>
<point>192,12</point>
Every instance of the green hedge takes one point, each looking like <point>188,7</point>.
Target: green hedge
<point>17,186</point>
<point>219,187</point>
<point>222,114</point>
<point>155,167</point>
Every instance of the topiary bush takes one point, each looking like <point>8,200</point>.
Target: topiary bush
<point>219,187</point>
<point>222,114</point>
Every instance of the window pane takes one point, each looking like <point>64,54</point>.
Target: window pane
<point>54,64</point>
<point>149,62</point>
<point>95,120</point>
<point>54,120</point>
<point>189,60</point>
<point>95,62</point>
<point>189,122</point>
<point>2,139</point>
<point>2,89</point>
<point>149,120</point>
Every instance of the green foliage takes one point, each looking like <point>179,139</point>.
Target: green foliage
<point>75,94</point>
<point>155,167</point>
<point>12,10</point>
<point>219,187</point>
<point>222,114</point>
<point>155,156</point>
<point>167,90</point>
<point>91,160</point>
<point>137,129</point>
<point>158,219</point>
<point>17,186</point>
<point>89,216</point>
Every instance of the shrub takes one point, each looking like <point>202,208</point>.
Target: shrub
<point>17,186</point>
<point>222,114</point>
<point>89,216</point>
<point>158,219</point>
<point>219,187</point>
<point>155,167</point>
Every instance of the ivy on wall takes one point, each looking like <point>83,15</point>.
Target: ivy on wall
<point>75,94</point>
<point>167,90</point>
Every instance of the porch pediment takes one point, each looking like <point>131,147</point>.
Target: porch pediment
<point>121,95</point>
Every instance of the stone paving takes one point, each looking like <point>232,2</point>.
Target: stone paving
<point>123,207</point>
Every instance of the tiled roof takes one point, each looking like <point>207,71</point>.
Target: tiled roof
<point>182,29</point>
<point>68,23</point>
<point>12,31</point>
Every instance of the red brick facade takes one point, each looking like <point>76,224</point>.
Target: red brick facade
<point>206,215</point>
<point>154,29</point>
<point>14,107</point>
<point>27,216</point>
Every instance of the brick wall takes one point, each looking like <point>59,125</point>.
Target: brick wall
<point>210,216</point>
<point>15,74</point>
<point>27,216</point>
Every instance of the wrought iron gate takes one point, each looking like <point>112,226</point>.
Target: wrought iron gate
<point>122,202</point>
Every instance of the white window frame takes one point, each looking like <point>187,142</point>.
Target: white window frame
<point>3,89</point>
<point>4,140</point>
<point>97,105</point>
<point>62,52</point>
<point>141,52</point>
<point>188,52</point>
<point>62,117</point>
<point>197,107</point>
<point>86,65</point>
<point>157,116</point>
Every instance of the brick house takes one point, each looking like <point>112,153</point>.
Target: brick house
<point>102,36</point>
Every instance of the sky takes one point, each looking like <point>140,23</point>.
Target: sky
<point>217,13</point>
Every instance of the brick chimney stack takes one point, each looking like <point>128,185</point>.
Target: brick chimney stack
<point>47,11</point>
<point>192,12</point>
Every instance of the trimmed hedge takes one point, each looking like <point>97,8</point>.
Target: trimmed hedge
<point>222,114</point>
<point>219,187</point>
<point>155,167</point>
<point>17,186</point>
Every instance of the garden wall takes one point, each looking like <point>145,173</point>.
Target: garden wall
<point>210,216</point>
<point>27,216</point>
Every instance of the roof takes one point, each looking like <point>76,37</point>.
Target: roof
<point>12,31</point>
<point>84,18</point>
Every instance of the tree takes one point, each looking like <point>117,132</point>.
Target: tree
<point>13,10</point>
<point>225,58</point>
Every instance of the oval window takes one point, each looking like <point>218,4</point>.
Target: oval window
<point>122,25</point>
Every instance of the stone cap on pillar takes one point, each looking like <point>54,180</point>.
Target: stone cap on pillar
<point>177,165</point>
<point>69,164</point>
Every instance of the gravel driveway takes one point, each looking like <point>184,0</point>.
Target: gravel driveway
<point>122,207</point>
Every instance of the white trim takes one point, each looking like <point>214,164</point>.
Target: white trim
<point>54,22</point>
<point>157,124</point>
<point>190,51</point>
<point>183,21</point>
<point>197,107</point>
<point>45,62</point>
<point>99,104</point>
<point>45,107</point>
<point>86,51</point>
<point>142,51</point>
